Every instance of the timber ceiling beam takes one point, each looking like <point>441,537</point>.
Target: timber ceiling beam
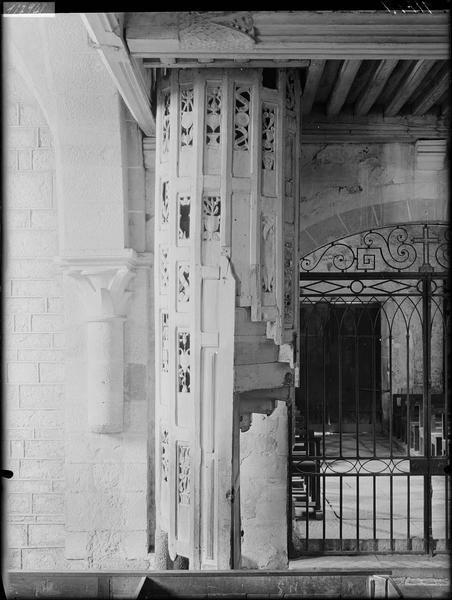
<point>217,63</point>
<point>132,81</point>
<point>320,129</point>
<point>375,86</point>
<point>269,35</point>
<point>313,77</point>
<point>344,81</point>
<point>408,86</point>
<point>433,93</point>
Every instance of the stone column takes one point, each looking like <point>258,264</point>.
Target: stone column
<point>103,287</point>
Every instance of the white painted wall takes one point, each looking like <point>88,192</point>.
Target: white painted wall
<point>79,500</point>
<point>34,338</point>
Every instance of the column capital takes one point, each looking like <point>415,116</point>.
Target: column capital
<point>103,281</point>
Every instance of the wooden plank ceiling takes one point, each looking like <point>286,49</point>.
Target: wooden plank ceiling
<point>179,37</point>
<point>387,87</point>
<point>358,63</point>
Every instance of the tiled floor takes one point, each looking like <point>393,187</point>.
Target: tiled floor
<point>406,508</point>
<point>400,564</point>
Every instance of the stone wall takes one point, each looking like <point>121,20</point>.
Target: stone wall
<point>33,337</point>
<point>78,499</point>
<point>263,449</point>
<point>347,188</point>
<point>109,491</point>
<point>263,491</point>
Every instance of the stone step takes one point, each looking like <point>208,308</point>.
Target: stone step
<point>412,587</point>
<point>301,506</point>
<point>309,582</point>
<point>264,584</point>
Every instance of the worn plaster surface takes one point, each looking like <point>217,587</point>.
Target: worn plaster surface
<point>78,499</point>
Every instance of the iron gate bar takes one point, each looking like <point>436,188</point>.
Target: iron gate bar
<point>374,506</point>
<point>426,330</point>
<point>408,389</point>
<point>309,276</point>
<point>324,396</point>
<point>306,491</point>
<point>404,264</point>
<point>390,394</point>
<point>357,391</point>
<point>362,475</point>
<point>446,497</point>
<point>357,510</point>
<point>341,512</point>
<point>408,508</point>
<point>447,374</point>
<point>446,432</point>
<point>391,512</point>
<point>340,396</point>
<point>374,393</point>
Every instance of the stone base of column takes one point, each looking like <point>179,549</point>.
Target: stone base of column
<point>180,563</point>
<point>162,561</point>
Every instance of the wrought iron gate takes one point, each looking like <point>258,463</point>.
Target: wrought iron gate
<point>370,422</point>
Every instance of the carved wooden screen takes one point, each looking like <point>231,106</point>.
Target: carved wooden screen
<point>225,225</point>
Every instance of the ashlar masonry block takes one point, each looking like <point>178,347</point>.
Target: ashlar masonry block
<point>134,544</point>
<point>14,558</point>
<point>27,243</point>
<point>24,162</point>
<point>51,372</point>
<point>30,115</point>
<point>16,448</point>
<point>42,468</point>
<point>48,504</point>
<point>43,219</point>
<point>46,558</point>
<point>29,340</point>
<point>31,268</point>
<point>22,323</point>
<point>46,535</point>
<point>29,190</point>
<point>76,543</point>
<point>22,372</point>
<point>37,288</point>
<point>16,536</point>
<point>10,159</point>
<point>17,136</point>
<point>43,159</point>
<point>19,503</point>
<point>44,449</point>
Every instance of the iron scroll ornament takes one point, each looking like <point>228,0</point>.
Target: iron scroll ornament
<point>354,466</point>
<point>414,246</point>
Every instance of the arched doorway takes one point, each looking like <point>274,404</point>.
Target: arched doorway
<point>369,425</point>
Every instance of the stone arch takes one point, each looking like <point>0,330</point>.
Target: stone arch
<point>351,187</point>
<point>362,218</point>
<point>32,83</point>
